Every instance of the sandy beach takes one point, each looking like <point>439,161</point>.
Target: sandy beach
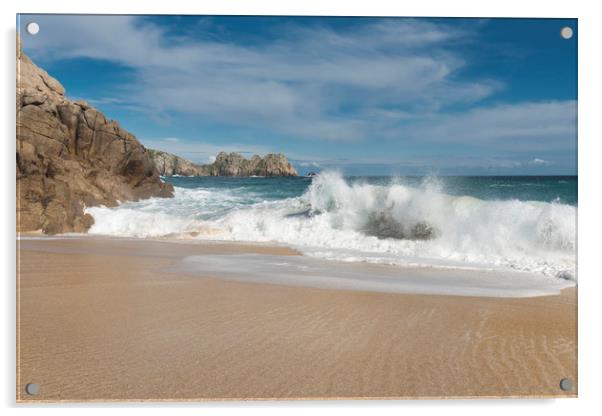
<point>105,319</point>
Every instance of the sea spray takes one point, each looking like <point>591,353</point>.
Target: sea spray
<point>396,221</point>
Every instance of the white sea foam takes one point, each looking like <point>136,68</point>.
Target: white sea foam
<point>394,224</point>
<point>307,271</point>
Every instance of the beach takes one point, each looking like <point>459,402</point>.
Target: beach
<point>357,209</point>
<point>110,319</point>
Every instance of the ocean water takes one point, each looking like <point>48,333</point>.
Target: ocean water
<point>484,223</point>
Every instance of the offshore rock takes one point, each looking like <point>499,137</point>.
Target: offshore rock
<point>226,164</point>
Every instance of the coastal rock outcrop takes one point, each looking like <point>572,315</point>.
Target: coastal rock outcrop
<point>69,156</point>
<point>226,164</point>
<point>168,164</point>
<point>234,164</point>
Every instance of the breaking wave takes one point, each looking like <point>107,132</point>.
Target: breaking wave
<point>394,223</point>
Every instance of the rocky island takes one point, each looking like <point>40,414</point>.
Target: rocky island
<point>226,164</point>
<point>70,156</point>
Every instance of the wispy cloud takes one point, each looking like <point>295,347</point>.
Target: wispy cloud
<point>308,82</point>
<point>309,164</point>
<point>381,81</point>
<point>201,151</point>
<point>538,161</point>
<point>549,125</point>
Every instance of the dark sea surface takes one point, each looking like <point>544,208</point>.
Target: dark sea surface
<point>562,189</point>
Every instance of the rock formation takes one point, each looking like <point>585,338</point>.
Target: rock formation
<point>69,156</point>
<point>226,164</point>
<point>233,164</point>
<point>168,164</point>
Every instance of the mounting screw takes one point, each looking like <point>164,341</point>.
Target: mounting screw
<point>566,384</point>
<point>566,32</point>
<point>32,28</point>
<point>32,389</point>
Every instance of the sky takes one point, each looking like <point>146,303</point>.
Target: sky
<point>365,96</point>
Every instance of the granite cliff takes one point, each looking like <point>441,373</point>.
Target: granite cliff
<point>69,156</point>
<point>226,164</point>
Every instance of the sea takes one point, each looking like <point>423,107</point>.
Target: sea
<point>515,223</point>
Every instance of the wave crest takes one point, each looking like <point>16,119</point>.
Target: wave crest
<point>392,223</point>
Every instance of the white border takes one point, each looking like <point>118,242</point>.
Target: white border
<point>590,210</point>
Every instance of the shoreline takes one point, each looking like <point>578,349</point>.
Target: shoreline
<point>324,273</point>
<point>98,316</point>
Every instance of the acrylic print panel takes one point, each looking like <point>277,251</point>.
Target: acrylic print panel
<point>218,207</point>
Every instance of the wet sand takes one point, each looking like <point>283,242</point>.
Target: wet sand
<point>104,319</point>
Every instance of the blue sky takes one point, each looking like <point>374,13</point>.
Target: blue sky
<point>362,95</point>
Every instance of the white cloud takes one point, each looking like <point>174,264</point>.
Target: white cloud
<point>538,161</point>
<point>299,84</point>
<point>392,79</point>
<point>519,126</point>
<point>200,151</point>
<point>309,164</point>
